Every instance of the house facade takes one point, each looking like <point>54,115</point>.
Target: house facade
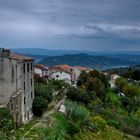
<point>40,70</point>
<point>61,75</point>
<point>69,74</point>
<point>113,79</point>
<point>17,84</point>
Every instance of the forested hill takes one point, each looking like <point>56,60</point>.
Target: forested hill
<point>88,61</point>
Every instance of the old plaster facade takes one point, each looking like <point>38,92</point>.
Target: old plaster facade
<point>17,84</point>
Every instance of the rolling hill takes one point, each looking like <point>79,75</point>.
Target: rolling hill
<point>88,61</point>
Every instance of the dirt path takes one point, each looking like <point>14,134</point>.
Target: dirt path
<point>43,118</point>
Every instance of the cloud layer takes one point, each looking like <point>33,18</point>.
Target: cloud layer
<point>79,24</point>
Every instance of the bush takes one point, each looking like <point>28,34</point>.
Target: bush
<point>73,128</point>
<point>120,83</point>
<point>114,123</point>
<point>6,121</point>
<point>39,104</point>
<point>98,120</point>
<point>44,91</point>
<point>132,126</point>
<point>131,90</point>
<point>78,95</point>
<point>112,99</point>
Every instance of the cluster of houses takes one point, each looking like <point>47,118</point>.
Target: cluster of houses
<point>66,73</point>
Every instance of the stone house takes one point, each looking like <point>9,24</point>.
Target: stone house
<point>61,75</point>
<point>17,84</point>
<point>41,70</point>
<point>113,79</point>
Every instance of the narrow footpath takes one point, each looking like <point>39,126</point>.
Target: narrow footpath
<point>45,115</point>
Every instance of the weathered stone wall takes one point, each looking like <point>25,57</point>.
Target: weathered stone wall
<point>8,79</point>
<point>28,80</point>
<point>15,106</point>
<point>17,87</point>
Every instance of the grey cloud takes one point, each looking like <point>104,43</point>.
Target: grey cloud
<point>70,18</point>
<point>126,31</point>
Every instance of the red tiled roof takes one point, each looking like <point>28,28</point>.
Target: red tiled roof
<point>61,67</point>
<point>20,57</point>
<point>36,75</point>
<point>40,66</point>
<point>81,68</point>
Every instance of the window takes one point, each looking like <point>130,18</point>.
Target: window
<point>24,68</point>
<point>31,81</point>
<point>25,115</point>
<point>31,95</point>
<point>28,67</point>
<point>57,76</point>
<point>24,100</point>
<point>31,66</point>
<point>31,110</point>
<point>24,85</point>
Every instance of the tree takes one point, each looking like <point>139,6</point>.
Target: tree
<point>72,93</point>
<point>99,75</point>
<point>127,103</point>
<point>95,84</point>
<point>39,104</point>
<point>83,78</point>
<point>58,84</point>
<point>45,91</point>
<point>120,83</point>
<point>128,73</point>
<point>136,75</point>
<point>79,95</point>
<point>131,90</point>
<point>40,80</point>
<point>112,99</point>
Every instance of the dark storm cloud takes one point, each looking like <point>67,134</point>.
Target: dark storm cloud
<point>72,20</point>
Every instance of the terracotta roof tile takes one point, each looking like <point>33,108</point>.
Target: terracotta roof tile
<point>40,66</point>
<point>82,68</point>
<point>19,57</point>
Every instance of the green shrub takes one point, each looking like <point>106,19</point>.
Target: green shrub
<point>114,123</point>
<point>6,121</point>
<point>99,121</point>
<point>73,128</point>
<point>39,104</point>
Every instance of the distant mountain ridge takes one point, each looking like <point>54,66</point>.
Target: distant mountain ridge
<point>111,59</point>
<point>39,51</point>
<point>88,61</point>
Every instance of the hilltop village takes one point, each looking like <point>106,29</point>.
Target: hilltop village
<point>65,102</point>
<point>17,73</point>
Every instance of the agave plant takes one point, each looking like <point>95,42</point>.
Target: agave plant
<point>58,131</point>
<point>67,125</point>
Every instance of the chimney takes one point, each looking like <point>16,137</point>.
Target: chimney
<point>4,52</point>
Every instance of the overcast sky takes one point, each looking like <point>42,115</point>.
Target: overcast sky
<point>70,24</point>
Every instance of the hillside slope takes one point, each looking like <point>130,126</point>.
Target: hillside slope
<point>87,61</point>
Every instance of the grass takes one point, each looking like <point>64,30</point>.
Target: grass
<point>111,133</point>
<point>34,134</point>
<point>19,132</point>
